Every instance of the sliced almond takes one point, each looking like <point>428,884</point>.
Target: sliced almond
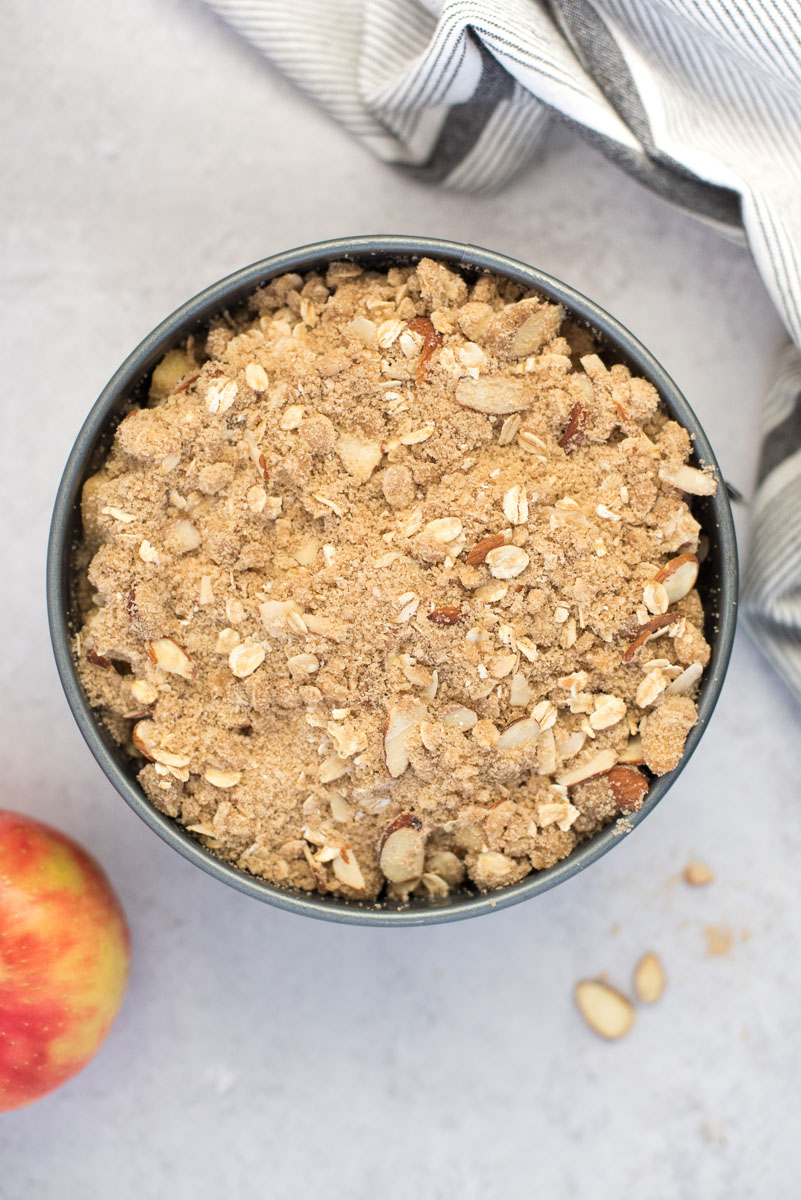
<point>246,658</point>
<point>631,754</point>
<point>481,549</point>
<point>698,874</point>
<point>446,614</point>
<point>347,870</point>
<point>655,597</point>
<point>405,712</point>
<point>690,480</point>
<point>558,812</point>
<point>401,853</point>
<point>459,717</point>
<point>143,736</point>
<point>167,654</point>
<point>360,456</point>
<point>222,779</point>
<point>599,764</point>
<point>573,434</point>
<point>650,629</point>
<point>143,691</point>
<point>607,1011</point>
<point>686,681</point>
<point>678,576</point>
<point>495,394</point>
<point>571,744</point>
<point>517,733</point>
<point>649,979</point>
<point>628,786</point>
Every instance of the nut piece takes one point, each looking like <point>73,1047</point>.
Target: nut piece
<point>647,631</point>
<point>632,752</point>
<point>495,394</point>
<point>347,870</point>
<point>691,480</point>
<point>649,979</point>
<point>573,434</point>
<point>698,874</point>
<point>405,713</point>
<point>517,733</point>
<point>446,614</point>
<point>171,657</point>
<point>599,764</point>
<point>678,577</point>
<point>401,852</point>
<point>607,1011</point>
<point>481,549</point>
<point>686,681</point>
<point>244,659</point>
<point>222,779</point>
<point>359,455</point>
<point>505,562</point>
<point>628,787</point>
<point>143,737</point>
<point>655,598</point>
<point>459,717</point>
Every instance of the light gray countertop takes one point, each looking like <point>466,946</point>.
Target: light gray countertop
<point>147,153</point>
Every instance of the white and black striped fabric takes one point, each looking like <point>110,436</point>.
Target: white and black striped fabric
<point>699,99</point>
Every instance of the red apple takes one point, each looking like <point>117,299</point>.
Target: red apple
<point>64,954</point>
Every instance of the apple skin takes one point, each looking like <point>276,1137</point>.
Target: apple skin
<point>64,959</point>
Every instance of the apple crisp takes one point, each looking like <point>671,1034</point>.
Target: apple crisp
<point>391,584</point>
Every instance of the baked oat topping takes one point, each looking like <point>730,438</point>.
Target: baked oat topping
<point>392,584</point>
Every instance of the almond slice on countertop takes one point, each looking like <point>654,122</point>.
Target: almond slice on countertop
<point>628,787</point>
<point>405,712</point>
<point>698,874</point>
<point>167,654</point>
<point>690,480</point>
<point>647,631</point>
<point>599,764</point>
<point>631,754</point>
<point>678,576</point>
<point>686,681</point>
<point>495,394</point>
<point>517,733</point>
<point>649,979</point>
<point>481,549</point>
<point>607,1011</point>
<point>401,852</point>
<point>347,870</point>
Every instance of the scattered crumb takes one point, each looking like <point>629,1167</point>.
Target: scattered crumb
<point>719,940</point>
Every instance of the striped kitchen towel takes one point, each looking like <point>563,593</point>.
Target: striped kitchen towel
<point>698,99</point>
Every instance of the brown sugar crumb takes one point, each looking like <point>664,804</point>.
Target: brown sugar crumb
<point>365,577</point>
<point>719,940</point>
